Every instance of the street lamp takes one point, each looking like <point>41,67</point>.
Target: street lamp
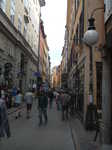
<point>91,35</point>
<point>90,38</point>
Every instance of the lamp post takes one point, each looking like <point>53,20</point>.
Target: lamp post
<point>91,38</point>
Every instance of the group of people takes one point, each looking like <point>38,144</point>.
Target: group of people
<point>64,101</point>
<point>18,99</point>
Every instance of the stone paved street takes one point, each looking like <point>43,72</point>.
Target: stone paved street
<point>26,135</point>
<point>83,139</point>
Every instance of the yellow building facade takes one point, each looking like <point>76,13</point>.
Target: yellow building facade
<point>78,13</point>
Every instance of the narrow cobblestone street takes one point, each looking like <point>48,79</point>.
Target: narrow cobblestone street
<point>26,135</point>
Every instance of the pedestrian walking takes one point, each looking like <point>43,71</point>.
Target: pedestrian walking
<point>7,100</point>
<point>14,93</point>
<point>29,101</point>
<point>51,95</point>
<point>4,123</point>
<point>42,106</point>
<point>71,103</point>
<point>65,105</point>
<point>58,100</point>
<point>17,104</point>
<point>34,87</point>
<point>3,94</point>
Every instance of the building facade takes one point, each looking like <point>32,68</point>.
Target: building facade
<point>107,75</point>
<point>49,71</point>
<point>54,77</point>
<point>78,13</point>
<point>19,38</point>
<point>64,74</point>
<point>59,77</point>
<point>44,55</point>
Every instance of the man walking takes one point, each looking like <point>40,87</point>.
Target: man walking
<point>42,106</point>
<point>51,95</point>
<point>65,103</point>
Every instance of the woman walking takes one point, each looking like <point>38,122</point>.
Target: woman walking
<point>29,102</point>
<point>17,103</point>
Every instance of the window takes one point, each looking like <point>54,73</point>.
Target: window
<point>26,3</point>
<point>12,11</point>
<point>11,52</point>
<point>108,4</point>
<point>3,4</point>
<point>76,5</point>
<point>25,30</point>
<point>19,23</point>
<point>34,1</point>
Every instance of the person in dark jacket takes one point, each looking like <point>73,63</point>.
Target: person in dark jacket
<point>50,98</point>
<point>71,104</point>
<point>4,123</point>
<point>42,106</point>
